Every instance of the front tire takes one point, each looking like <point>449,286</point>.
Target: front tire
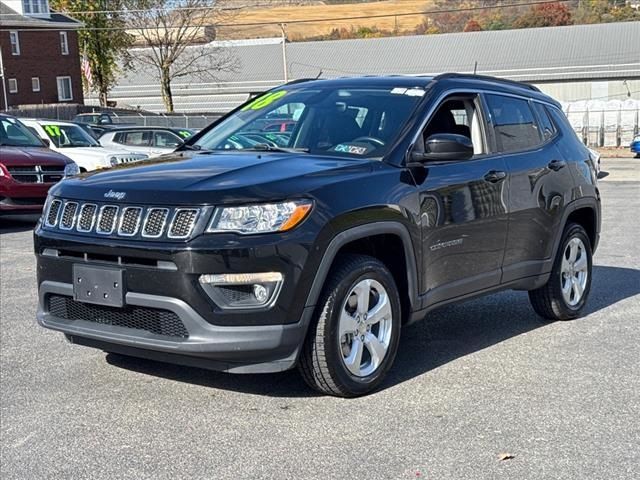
<point>565,294</point>
<point>354,336</point>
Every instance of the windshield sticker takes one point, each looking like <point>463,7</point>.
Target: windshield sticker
<point>411,92</point>
<point>264,100</point>
<point>53,130</point>
<point>184,133</point>
<point>354,149</point>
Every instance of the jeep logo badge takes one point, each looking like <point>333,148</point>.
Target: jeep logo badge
<point>116,195</point>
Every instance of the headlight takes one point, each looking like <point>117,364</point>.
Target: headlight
<point>265,218</point>
<point>71,169</point>
<point>113,161</point>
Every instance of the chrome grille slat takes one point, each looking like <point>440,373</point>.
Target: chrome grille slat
<point>107,219</point>
<point>52,214</point>
<point>129,221</point>
<point>126,221</point>
<point>87,217</point>
<point>154,222</point>
<point>68,218</point>
<point>184,219</point>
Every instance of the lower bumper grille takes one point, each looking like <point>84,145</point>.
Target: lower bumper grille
<point>153,320</point>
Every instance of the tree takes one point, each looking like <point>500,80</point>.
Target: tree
<point>545,15</point>
<point>472,26</point>
<point>102,39</point>
<point>171,34</point>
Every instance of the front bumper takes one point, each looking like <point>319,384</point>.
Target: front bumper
<point>237,349</point>
<point>20,198</point>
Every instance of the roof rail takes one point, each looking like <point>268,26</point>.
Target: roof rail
<point>488,78</point>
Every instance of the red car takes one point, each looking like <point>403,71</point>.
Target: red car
<point>27,168</point>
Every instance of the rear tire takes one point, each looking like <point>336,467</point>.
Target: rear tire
<point>565,294</point>
<point>353,338</point>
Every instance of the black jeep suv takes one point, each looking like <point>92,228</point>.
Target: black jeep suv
<point>256,251</point>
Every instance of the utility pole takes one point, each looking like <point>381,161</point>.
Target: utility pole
<point>4,84</point>
<point>283,27</point>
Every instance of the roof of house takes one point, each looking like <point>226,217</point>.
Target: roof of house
<point>551,54</point>
<point>11,18</point>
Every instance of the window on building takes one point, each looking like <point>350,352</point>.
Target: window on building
<point>15,43</point>
<point>64,89</point>
<point>64,44</point>
<point>13,85</point>
<point>35,6</point>
<point>35,84</point>
<point>513,122</point>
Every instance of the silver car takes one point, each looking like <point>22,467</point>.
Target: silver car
<point>153,141</point>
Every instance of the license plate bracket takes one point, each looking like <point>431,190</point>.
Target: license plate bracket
<point>98,285</point>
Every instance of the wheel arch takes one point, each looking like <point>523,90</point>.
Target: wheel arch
<point>368,239</point>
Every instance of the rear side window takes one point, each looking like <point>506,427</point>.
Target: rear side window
<point>548,128</point>
<point>513,123</point>
<point>134,139</point>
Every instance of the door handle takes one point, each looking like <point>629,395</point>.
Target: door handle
<point>495,176</point>
<point>556,165</point>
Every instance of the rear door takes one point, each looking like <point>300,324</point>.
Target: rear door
<point>463,207</point>
<point>539,182</point>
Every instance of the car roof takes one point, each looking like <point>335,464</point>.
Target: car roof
<point>49,120</point>
<point>152,128</point>
<point>459,80</point>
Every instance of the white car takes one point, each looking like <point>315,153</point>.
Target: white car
<point>153,141</point>
<point>72,141</point>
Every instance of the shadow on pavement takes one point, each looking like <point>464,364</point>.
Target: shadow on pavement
<point>448,333</point>
<point>15,224</point>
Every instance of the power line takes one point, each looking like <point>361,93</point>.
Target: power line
<point>315,20</point>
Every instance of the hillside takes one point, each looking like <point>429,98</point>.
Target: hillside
<point>320,11</point>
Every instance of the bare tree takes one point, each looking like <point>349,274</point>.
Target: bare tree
<point>171,34</point>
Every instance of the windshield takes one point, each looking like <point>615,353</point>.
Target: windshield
<point>356,122</point>
<point>66,136</point>
<point>15,134</point>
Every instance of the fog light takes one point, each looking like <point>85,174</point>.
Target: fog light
<point>242,290</point>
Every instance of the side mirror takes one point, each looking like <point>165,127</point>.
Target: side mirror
<point>46,141</point>
<point>445,147</point>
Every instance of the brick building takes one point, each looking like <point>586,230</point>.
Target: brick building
<point>39,55</point>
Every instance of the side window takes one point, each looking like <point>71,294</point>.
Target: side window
<point>166,140</point>
<point>138,139</point>
<point>513,123</point>
<point>548,128</point>
<point>460,116</point>
<point>119,138</point>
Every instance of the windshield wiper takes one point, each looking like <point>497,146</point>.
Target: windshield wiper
<point>265,147</point>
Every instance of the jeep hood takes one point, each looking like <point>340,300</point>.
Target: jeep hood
<point>211,178</point>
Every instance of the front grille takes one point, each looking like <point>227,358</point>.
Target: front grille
<point>68,215</point>
<point>107,219</point>
<point>87,217</point>
<point>183,222</point>
<point>153,320</point>
<point>135,222</point>
<point>37,173</point>
<point>52,215</point>
<point>130,221</point>
<point>155,222</point>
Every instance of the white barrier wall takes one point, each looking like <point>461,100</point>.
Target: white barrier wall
<point>604,124</point>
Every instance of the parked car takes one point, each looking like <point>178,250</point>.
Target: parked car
<point>82,148</point>
<point>635,146</point>
<point>97,118</point>
<point>152,141</point>
<point>394,196</point>
<point>27,168</point>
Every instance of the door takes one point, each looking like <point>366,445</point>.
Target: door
<point>539,182</point>
<point>463,207</point>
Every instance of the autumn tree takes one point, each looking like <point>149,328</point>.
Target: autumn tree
<point>102,39</point>
<point>172,36</point>
<point>472,26</point>
<point>545,15</point>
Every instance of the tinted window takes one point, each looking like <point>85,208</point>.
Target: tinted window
<point>513,123</point>
<point>548,129</point>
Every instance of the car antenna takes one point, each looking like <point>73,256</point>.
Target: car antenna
<point>319,74</point>
<point>475,67</point>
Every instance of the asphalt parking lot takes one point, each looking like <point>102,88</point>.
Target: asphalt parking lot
<point>473,383</point>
